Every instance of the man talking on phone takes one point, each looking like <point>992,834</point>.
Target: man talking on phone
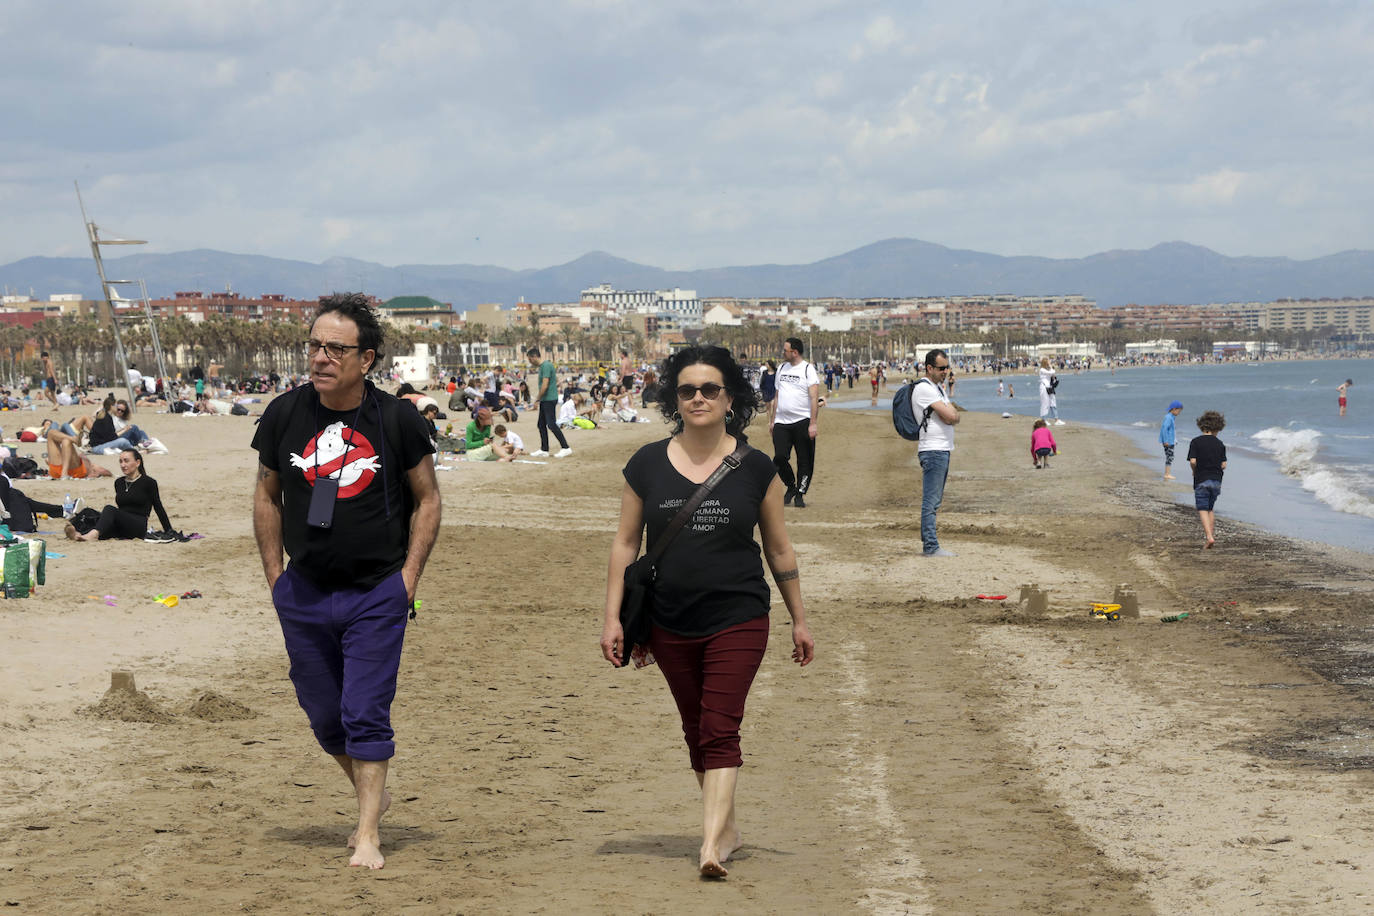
<point>346,487</point>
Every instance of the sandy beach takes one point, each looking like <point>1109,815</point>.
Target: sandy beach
<point>944,754</point>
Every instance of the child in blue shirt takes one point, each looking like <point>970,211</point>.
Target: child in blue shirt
<point>1168,438</point>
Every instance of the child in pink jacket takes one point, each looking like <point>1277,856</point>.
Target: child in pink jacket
<point>1042,445</point>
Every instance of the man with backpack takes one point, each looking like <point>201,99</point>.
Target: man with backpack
<point>929,400</point>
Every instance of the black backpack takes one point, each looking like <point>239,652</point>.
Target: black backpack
<point>18,467</point>
<point>904,417</point>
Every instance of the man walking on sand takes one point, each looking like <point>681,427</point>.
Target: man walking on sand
<point>547,399</point>
<point>347,487</point>
<point>50,379</point>
<point>792,421</point>
<point>937,442</point>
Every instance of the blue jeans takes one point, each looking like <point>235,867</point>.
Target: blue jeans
<point>935,468</point>
<point>114,445</point>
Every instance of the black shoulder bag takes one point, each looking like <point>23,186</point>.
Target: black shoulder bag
<point>637,601</point>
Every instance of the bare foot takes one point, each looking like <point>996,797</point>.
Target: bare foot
<point>70,531</point>
<point>729,849</point>
<point>386,805</point>
<point>1209,545</point>
<point>1170,477</point>
<point>367,855</point>
<point>710,868</point>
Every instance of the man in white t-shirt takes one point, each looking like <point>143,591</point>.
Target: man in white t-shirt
<point>937,442</point>
<point>792,421</point>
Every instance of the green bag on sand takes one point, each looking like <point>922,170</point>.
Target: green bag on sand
<point>583,423</point>
<point>25,566</point>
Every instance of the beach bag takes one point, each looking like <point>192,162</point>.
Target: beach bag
<point>238,410</point>
<point>19,468</point>
<point>84,520</point>
<point>1053,385</point>
<point>583,423</point>
<point>28,435</point>
<point>904,416</point>
<point>25,565</point>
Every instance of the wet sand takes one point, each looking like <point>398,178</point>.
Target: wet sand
<point>944,754</point>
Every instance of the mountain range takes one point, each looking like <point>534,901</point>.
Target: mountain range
<point>1172,272</point>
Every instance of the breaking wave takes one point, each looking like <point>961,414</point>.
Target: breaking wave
<point>1296,452</point>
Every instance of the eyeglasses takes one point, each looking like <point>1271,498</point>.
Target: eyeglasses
<point>710,391</point>
<point>335,351</point>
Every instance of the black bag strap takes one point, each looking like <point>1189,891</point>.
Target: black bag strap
<point>728,464</point>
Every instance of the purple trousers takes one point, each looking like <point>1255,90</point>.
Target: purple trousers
<point>345,651</point>
<point>709,677</point>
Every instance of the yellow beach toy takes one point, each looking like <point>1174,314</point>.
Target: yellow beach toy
<point>1102,609</point>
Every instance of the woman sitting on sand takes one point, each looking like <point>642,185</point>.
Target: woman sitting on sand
<point>622,404</point>
<point>710,605</point>
<point>104,437</point>
<point>136,497</point>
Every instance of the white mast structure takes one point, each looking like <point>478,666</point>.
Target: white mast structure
<point>109,289</point>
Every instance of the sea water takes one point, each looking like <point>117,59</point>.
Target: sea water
<point>1294,465</point>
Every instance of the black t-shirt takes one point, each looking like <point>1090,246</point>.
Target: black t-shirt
<point>368,450</point>
<point>141,498</point>
<point>103,430</point>
<point>1210,453</point>
<point>711,575</point>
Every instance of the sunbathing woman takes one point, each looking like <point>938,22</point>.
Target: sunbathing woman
<point>136,497</point>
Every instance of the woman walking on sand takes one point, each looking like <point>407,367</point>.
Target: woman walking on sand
<point>710,605</point>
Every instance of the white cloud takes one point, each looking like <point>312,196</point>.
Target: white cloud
<point>687,134</point>
<point>1215,188</point>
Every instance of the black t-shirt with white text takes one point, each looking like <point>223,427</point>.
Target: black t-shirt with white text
<point>301,439</point>
<point>711,575</point>
<point>1210,453</point>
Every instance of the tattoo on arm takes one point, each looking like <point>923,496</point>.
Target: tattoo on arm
<point>786,575</point>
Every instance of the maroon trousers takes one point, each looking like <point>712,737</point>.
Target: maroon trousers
<point>709,677</point>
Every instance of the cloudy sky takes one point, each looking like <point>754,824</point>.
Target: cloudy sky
<point>684,135</point>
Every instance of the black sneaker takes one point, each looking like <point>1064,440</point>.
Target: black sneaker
<point>799,502</point>
<point>790,495</point>
<point>160,537</point>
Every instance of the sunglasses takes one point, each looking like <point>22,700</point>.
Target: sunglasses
<point>710,391</point>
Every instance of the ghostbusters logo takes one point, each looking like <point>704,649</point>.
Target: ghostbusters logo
<point>324,456</point>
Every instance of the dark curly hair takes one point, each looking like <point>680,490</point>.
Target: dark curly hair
<point>357,308</point>
<point>745,400</point>
<point>1211,422</point>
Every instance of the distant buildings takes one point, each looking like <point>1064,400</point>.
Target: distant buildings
<point>665,318</point>
<point>675,309</point>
